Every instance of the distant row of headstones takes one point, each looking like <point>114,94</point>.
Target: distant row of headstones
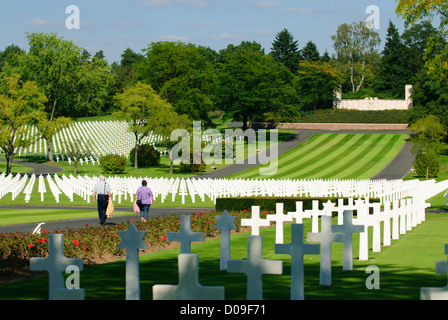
<point>200,190</point>
<point>254,266</point>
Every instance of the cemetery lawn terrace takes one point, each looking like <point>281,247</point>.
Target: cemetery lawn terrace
<point>405,266</point>
<point>335,156</point>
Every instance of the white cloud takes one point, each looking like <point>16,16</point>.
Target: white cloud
<point>37,22</point>
<point>265,4</point>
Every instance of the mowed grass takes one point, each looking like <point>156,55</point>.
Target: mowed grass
<point>335,156</point>
<point>404,267</point>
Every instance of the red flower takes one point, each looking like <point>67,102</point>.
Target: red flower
<point>45,231</point>
<point>18,231</point>
<point>164,237</point>
<point>76,243</point>
<point>31,245</point>
<point>208,221</point>
<point>199,213</point>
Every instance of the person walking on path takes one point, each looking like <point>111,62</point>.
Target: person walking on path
<point>101,194</point>
<point>144,199</point>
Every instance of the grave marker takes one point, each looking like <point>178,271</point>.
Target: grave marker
<point>326,237</point>
<point>225,224</point>
<point>56,264</point>
<point>255,222</point>
<point>279,218</point>
<point>348,228</point>
<point>188,287</point>
<point>437,293</point>
<point>132,240</point>
<point>299,214</point>
<point>297,249</point>
<point>185,236</point>
<point>254,267</point>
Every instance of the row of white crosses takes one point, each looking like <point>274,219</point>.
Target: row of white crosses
<point>255,265</point>
<point>101,137</point>
<point>198,189</point>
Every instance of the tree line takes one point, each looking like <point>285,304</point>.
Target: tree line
<point>170,84</point>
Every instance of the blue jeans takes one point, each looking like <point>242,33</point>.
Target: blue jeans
<point>144,211</point>
<point>102,201</point>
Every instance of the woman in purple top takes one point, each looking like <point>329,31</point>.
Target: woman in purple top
<point>144,194</point>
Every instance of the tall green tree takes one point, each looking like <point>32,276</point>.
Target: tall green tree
<point>354,44</point>
<point>394,71</point>
<point>182,74</point>
<point>414,11</point>
<point>310,52</point>
<point>315,83</point>
<point>145,112</point>
<point>286,50</point>
<point>72,85</point>
<point>20,103</point>
<point>251,83</point>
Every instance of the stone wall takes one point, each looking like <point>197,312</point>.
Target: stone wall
<point>374,103</point>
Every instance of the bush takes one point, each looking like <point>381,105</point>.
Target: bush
<point>113,163</point>
<point>93,243</point>
<point>147,156</point>
<point>426,164</point>
<point>193,166</point>
<point>269,203</point>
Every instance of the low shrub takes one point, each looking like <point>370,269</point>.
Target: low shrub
<point>92,243</point>
<point>113,164</point>
<point>269,203</point>
<point>426,165</point>
<point>193,165</point>
<point>147,156</point>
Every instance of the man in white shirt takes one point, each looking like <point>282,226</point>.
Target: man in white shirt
<point>101,192</point>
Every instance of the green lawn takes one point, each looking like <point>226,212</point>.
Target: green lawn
<point>335,156</point>
<point>405,266</point>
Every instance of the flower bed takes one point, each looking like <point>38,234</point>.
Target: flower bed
<point>97,244</point>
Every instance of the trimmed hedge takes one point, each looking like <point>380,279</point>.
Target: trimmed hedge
<point>355,116</point>
<point>268,203</point>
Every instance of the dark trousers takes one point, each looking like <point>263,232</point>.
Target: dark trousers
<point>102,201</point>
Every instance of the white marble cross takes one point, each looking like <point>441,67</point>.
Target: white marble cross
<point>297,249</point>
<point>279,218</point>
<point>56,264</point>
<point>185,236</point>
<point>326,237</point>
<point>132,240</point>
<point>387,225</point>
<point>315,213</point>
<point>362,211</point>
<point>254,267</point>
<point>225,224</point>
<point>437,293</point>
<point>348,228</point>
<point>255,222</point>
<point>188,287</point>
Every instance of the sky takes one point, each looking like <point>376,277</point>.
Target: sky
<point>114,25</point>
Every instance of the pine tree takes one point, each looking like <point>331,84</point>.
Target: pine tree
<point>286,50</point>
<point>394,71</point>
<point>310,52</point>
